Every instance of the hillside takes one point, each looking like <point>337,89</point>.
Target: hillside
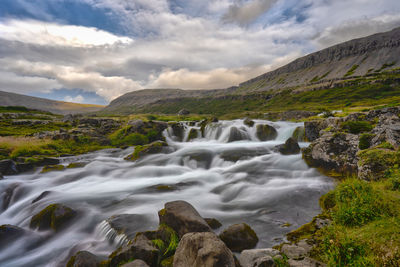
<point>57,107</point>
<point>361,69</point>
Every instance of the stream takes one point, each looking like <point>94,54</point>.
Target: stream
<point>234,182</point>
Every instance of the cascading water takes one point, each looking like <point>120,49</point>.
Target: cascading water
<point>243,181</point>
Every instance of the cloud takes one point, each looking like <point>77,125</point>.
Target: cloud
<point>44,33</point>
<point>245,13</point>
<point>76,99</point>
<point>10,81</point>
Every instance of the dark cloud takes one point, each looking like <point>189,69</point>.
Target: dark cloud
<point>245,13</point>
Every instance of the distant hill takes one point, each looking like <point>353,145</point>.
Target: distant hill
<point>56,107</point>
<point>370,60</point>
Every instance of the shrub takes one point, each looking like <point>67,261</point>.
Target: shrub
<point>356,127</point>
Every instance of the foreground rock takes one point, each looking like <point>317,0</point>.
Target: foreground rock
<point>84,259</point>
<point>266,132</point>
<point>202,250</point>
<point>9,233</point>
<point>54,216</point>
<point>141,151</point>
<point>8,167</point>
<point>128,224</point>
<point>258,257</point>
<point>141,249</point>
<point>183,218</point>
<point>290,147</point>
<point>239,237</point>
<point>135,263</point>
<point>213,223</point>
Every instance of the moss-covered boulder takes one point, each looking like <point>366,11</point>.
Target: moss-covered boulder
<point>50,168</point>
<point>213,223</point>
<point>266,132</point>
<point>249,122</point>
<point>236,134</point>
<point>239,237</point>
<point>141,151</point>
<point>135,263</point>
<point>299,134</point>
<point>193,134</point>
<point>375,162</point>
<point>84,259</point>
<point>54,217</point>
<point>290,147</point>
<point>178,130</point>
<point>74,165</point>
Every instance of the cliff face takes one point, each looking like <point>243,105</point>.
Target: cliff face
<point>323,69</point>
<point>57,107</point>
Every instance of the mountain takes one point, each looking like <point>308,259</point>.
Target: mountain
<point>354,64</point>
<point>56,107</point>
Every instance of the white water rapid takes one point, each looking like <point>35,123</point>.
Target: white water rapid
<point>243,181</point>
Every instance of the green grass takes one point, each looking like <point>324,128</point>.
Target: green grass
<point>356,127</point>
<point>351,70</point>
<point>19,109</point>
<point>7,128</point>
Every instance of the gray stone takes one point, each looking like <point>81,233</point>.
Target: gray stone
<point>202,250</point>
<point>290,147</point>
<point>135,263</point>
<point>236,134</point>
<point>306,262</point>
<point>84,259</point>
<point>54,216</point>
<point>239,237</point>
<point>266,132</point>
<point>128,224</point>
<point>183,218</point>
<point>9,233</point>
<point>8,167</point>
<point>249,257</point>
<point>293,251</point>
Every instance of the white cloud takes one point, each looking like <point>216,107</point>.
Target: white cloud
<point>76,99</point>
<point>44,33</point>
<point>245,13</point>
<point>12,82</point>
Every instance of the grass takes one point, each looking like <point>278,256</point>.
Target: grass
<point>8,128</point>
<point>351,70</point>
<point>19,109</point>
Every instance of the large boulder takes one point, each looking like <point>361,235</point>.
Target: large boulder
<point>183,218</point>
<point>258,257</point>
<point>266,132</point>
<point>236,134</point>
<point>239,237</point>
<point>141,151</point>
<point>128,224</point>
<point>290,147</point>
<point>54,216</point>
<point>9,233</point>
<point>84,259</point>
<point>135,263</point>
<point>312,129</point>
<point>294,252</point>
<point>299,134</point>
<point>334,152</point>
<point>387,130</point>
<point>141,248</point>
<point>178,130</point>
<point>202,250</point>
<point>8,167</point>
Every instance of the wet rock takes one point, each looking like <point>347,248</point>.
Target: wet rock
<point>178,130</point>
<point>8,167</point>
<point>202,250</point>
<point>24,167</point>
<point>290,147</point>
<point>294,252</point>
<point>128,224</point>
<point>183,218</point>
<point>84,259</point>
<point>41,196</point>
<point>193,134</point>
<point>50,168</point>
<point>213,223</point>
<point>248,122</point>
<point>266,132</point>
<point>214,119</point>
<point>152,148</point>
<point>7,195</point>
<point>141,249</point>
<point>54,217</point>
<point>312,129</point>
<point>239,237</point>
<point>9,233</point>
<point>203,158</point>
<point>295,114</point>
<point>183,112</point>
<point>334,152</point>
<point>299,134</point>
<point>258,257</point>
<point>135,263</point>
<point>236,135</point>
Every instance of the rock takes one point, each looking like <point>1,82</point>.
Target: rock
<point>266,261</point>
<point>54,216</point>
<point>41,196</point>
<point>183,112</point>
<point>257,257</point>
<point>306,262</point>
<point>266,132</point>
<point>387,130</point>
<point>8,195</point>
<point>183,218</point>
<point>135,263</point>
<point>334,152</point>
<point>141,249</point>
<point>295,114</point>
<point>214,119</point>
<point>312,129</point>
<point>213,223</point>
<point>299,134</point>
<point>239,237</point>
<point>237,135</point>
<point>293,251</point>
<point>178,130</point>
<point>248,122</point>
<point>8,167</point>
<point>136,125</point>
<point>290,147</point>
<point>193,134</point>
<point>49,161</point>
<point>9,233</point>
<point>128,224</point>
<point>202,250</point>
<point>84,259</point>
<point>141,151</point>
<point>321,223</point>
<point>49,168</point>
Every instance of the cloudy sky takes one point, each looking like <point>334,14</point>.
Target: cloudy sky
<point>92,51</point>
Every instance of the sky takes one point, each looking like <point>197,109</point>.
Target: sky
<point>92,51</point>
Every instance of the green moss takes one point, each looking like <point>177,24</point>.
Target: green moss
<point>193,134</point>
<point>328,201</point>
<point>299,134</point>
<point>162,212</point>
<point>73,165</point>
<point>365,140</point>
<point>155,147</point>
<point>50,168</point>
<point>351,70</point>
<point>168,262</point>
<point>356,127</point>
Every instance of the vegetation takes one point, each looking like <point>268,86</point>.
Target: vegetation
<point>356,127</point>
<point>351,70</point>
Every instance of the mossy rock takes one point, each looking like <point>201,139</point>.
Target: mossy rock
<point>193,134</point>
<point>375,162</point>
<point>141,151</point>
<point>299,134</point>
<point>248,122</point>
<point>213,223</point>
<point>54,216</point>
<point>266,132</point>
<point>238,237</point>
<point>74,165</point>
<point>168,262</point>
<point>50,168</point>
<point>365,141</point>
<point>327,201</point>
